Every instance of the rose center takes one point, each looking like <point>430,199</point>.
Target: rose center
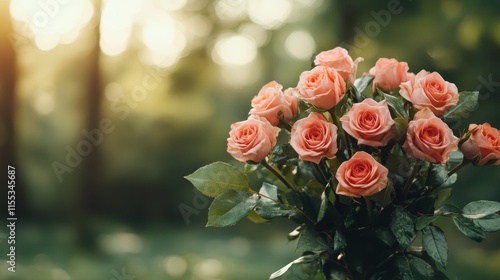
<point>431,135</point>
<point>368,120</point>
<point>360,170</point>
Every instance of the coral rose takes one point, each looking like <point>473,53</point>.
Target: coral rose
<point>272,104</point>
<point>430,90</point>
<point>483,145</point>
<point>322,87</point>
<point>360,176</point>
<point>369,122</point>
<point>429,138</point>
<point>291,99</point>
<point>314,137</point>
<point>252,139</point>
<point>389,74</point>
<point>339,59</point>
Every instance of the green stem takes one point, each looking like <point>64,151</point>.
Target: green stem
<point>458,167</point>
<point>321,173</point>
<point>277,174</point>
<point>345,139</point>
<point>414,173</point>
<point>263,195</point>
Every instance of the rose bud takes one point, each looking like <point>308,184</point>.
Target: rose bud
<point>483,145</point>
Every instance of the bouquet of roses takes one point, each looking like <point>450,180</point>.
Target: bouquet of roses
<point>361,169</point>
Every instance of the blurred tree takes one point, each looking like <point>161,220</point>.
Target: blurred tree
<point>8,78</point>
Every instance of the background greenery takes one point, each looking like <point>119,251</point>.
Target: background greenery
<point>118,211</point>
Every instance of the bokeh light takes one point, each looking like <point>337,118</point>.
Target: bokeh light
<point>300,45</point>
<point>234,49</point>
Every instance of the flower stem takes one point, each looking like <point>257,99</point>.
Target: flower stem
<point>321,173</point>
<point>414,173</point>
<point>276,173</point>
<point>458,167</point>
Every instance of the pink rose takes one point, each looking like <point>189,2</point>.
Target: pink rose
<point>361,176</point>
<point>251,140</point>
<point>429,90</point>
<point>322,87</point>
<point>314,137</point>
<point>389,74</point>
<point>270,101</point>
<point>339,59</point>
<point>483,145</point>
<point>429,138</point>
<point>369,122</point>
<point>292,101</point>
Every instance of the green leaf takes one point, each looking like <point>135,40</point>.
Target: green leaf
<point>437,175</point>
<point>218,177</point>
<point>310,240</point>
<point>401,125</point>
<point>323,206</point>
<point>255,218</point>
<point>480,209</point>
<point>269,190</point>
<point>385,234</point>
<point>448,209</point>
<point>403,227</point>
<point>413,268</point>
<point>469,229</point>
<point>396,103</point>
<point>435,245</point>
<point>442,196</point>
<point>489,223</point>
<point>274,210</point>
<point>466,104</point>
<point>422,222</point>
<point>305,267</point>
<point>361,84</point>
<point>230,207</point>
<point>339,242</point>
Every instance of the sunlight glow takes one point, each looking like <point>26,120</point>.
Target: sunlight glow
<point>44,103</point>
<point>51,22</point>
<point>165,40</point>
<point>116,25</point>
<point>300,44</point>
<point>175,266</point>
<point>234,50</point>
<point>259,34</point>
<point>208,269</point>
<point>173,5</point>
<point>230,10</point>
<point>269,14</point>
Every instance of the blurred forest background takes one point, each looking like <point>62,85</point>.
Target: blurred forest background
<point>106,105</point>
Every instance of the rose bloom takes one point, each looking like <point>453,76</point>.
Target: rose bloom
<point>369,122</point>
<point>270,101</point>
<point>429,138</point>
<point>291,99</point>
<point>389,74</point>
<point>483,145</point>
<point>322,87</point>
<point>361,175</point>
<point>430,90</point>
<point>314,137</point>
<point>252,139</point>
<point>339,59</point>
